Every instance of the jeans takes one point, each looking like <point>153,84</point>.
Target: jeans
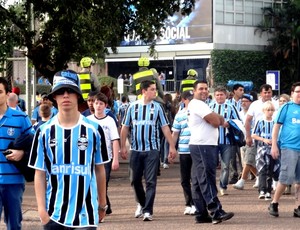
<point>185,174</point>
<point>164,150</point>
<point>107,173</point>
<point>144,163</point>
<point>226,153</point>
<point>11,199</point>
<point>204,189</point>
<point>52,225</point>
<point>265,176</point>
<point>236,163</point>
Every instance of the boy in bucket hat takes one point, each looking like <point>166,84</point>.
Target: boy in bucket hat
<point>72,161</point>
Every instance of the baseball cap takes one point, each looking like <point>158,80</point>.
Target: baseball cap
<point>16,90</point>
<point>248,97</point>
<point>66,79</point>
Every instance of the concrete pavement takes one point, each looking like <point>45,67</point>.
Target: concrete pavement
<point>250,212</point>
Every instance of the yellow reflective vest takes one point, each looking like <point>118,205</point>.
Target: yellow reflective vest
<point>187,85</point>
<point>85,84</point>
<point>139,77</point>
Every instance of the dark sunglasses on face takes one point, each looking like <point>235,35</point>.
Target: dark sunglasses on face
<point>63,90</point>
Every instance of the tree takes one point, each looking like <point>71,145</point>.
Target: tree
<point>283,23</point>
<point>70,29</point>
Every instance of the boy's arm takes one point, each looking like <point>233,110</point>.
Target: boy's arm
<point>115,152</point>
<point>40,193</point>
<point>101,189</point>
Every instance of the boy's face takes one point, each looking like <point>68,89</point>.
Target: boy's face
<point>269,112</point>
<point>99,107</point>
<point>90,103</point>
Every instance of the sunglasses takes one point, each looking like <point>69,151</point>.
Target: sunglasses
<point>63,90</point>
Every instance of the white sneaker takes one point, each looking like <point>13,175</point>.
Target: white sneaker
<point>193,210</point>
<point>147,216</point>
<point>165,166</point>
<point>139,211</point>
<point>261,195</point>
<point>239,185</point>
<point>268,196</point>
<point>256,183</point>
<point>223,192</point>
<point>187,210</point>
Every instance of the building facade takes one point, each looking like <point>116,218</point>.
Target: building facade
<point>188,41</point>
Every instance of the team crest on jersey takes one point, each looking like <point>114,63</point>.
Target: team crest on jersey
<point>10,132</point>
<point>53,142</point>
<point>82,143</point>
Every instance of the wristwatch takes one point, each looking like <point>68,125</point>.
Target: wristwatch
<point>102,208</point>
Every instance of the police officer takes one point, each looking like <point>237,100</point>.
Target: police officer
<point>88,81</point>
<point>188,83</point>
<point>146,74</point>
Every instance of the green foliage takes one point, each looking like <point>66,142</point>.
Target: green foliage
<point>68,30</point>
<point>240,66</point>
<point>283,26</point>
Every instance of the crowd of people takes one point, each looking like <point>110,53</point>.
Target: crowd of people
<point>73,152</point>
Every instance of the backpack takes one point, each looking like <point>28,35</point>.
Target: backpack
<point>236,132</point>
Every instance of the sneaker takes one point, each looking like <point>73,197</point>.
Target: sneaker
<point>147,216</point>
<point>288,190</point>
<point>223,192</point>
<point>273,209</point>
<point>239,185</point>
<point>261,195</point>
<point>225,216</point>
<point>202,220</point>
<point>297,212</point>
<point>187,210</point>
<point>268,196</point>
<point>233,180</point>
<point>256,183</point>
<point>165,166</point>
<point>139,211</point>
<point>193,210</point>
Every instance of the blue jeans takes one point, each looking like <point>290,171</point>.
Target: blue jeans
<point>11,199</point>
<point>204,189</point>
<point>144,163</point>
<point>226,153</point>
<point>185,176</point>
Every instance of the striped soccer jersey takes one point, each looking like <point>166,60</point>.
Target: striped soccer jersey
<point>68,156</point>
<point>237,104</point>
<point>263,128</point>
<point>180,124</point>
<point>145,121</point>
<point>229,112</point>
<point>12,125</point>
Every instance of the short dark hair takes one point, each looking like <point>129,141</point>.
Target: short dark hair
<point>4,82</point>
<point>197,82</point>
<point>236,86</point>
<point>124,99</point>
<point>221,89</point>
<point>295,85</point>
<point>101,97</point>
<point>146,84</point>
<point>265,87</point>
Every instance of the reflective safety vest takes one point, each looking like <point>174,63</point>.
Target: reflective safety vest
<point>85,84</point>
<point>187,85</point>
<point>142,76</point>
